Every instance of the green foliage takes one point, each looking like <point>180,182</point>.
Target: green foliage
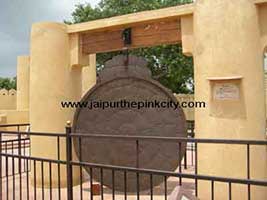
<point>8,83</point>
<point>167,63</point>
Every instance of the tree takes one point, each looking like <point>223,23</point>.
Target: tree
<point>8,83</point>
<point>167,63</point>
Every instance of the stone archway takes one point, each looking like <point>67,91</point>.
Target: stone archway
<point>58,74</point>
<point>56,50</point>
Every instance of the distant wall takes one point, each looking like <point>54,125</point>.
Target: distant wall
<point>23,82</point>
<point>189,112</point>
<point>13,117</point>
<point>2,118</point>
<point>8,99</point>
<point>8,112</point>
<point>2,121</point>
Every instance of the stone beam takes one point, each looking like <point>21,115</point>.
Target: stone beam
<point>132,19</point>
<point>144,35</point>
<point>260,1</point>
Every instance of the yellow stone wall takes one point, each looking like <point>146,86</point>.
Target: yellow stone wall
<point>228,48</point>
<point>224,50</point>
<point>189,112</point>
<point>23,82</point>
<point>3,121</point>
<point>52,80</point>
<point>14,105</point>
<point>14,117</point>
<point>265,83</point>
<point>262,13</point>
<point>89,74</point>
<point>8,99</point>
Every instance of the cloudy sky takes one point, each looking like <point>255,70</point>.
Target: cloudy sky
<point>16,17</point>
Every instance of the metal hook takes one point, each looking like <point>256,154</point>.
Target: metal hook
<point>127,39</point>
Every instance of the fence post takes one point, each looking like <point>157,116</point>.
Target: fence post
<point>19,160</point>
<point>185,157</point>
<point>68,161</point>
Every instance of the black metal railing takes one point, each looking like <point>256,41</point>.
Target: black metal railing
<point>15,145</point>
<point>20,144</point>
<point>41,184</point>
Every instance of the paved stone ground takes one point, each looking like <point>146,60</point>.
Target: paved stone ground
<point>158,192</point>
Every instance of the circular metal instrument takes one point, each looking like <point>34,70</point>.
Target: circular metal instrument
<point>131,83</point>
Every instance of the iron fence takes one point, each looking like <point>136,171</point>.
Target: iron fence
<point>30,185</point>
<point>20,144</point>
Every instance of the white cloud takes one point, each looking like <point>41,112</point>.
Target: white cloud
<point>66,7</point>
<point>16,17</point>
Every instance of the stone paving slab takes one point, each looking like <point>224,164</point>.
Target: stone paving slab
<point>158,192</point>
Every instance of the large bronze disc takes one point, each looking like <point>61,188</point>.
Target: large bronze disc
<point>134,84</point>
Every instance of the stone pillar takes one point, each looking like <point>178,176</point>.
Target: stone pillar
<point>228,50</point>
<point>89,74</point>
<point>265,76</point>
<point>23,82</point>
<point>52,81</point>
